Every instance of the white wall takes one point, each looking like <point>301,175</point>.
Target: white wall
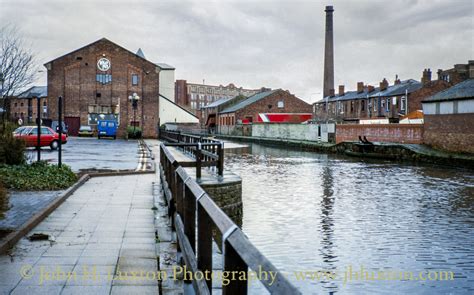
<point>172,113</point>
<point>293,131</point>
<point>167,84</point>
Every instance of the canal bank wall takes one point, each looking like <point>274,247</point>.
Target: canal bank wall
<point>388,151</point>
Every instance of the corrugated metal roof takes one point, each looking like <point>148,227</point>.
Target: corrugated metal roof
<point>217,103</point>
<point>164,66</point>
<point>35,91</point>
<point>249,101</point>
<point>461,90</point>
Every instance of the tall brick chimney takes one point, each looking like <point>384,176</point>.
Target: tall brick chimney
<point>328,53</point>
<point>360,87</point>
<point>426,78</point>
<point>341,90</point>
<point>383,85</point>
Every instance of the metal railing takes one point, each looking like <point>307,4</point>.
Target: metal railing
<point>194,215</point>
<point>207,152</point>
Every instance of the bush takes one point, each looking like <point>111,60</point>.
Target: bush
<point>12,150</point>
<point>134,133</point>
<point>3,199</point>
<point>37,176</point>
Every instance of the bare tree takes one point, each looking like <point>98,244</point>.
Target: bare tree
<point>17,66</point>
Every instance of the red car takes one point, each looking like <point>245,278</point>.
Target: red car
<point>48,137</point>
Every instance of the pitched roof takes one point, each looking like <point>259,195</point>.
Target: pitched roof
<point>139,53</point>
<point>461,90</point>
<point>164,66</point>
<point>35,91</point>
<point>217,102</point>
<point>409,86</point>
<point>252,99</point>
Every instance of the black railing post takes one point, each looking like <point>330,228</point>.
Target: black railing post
<point>189,219</point>
<point>204,239</point>
<point>38,123</point>
<point>220,161</point>
<point>233,262</point>
<point>60,133</point>
<point>198,160</point>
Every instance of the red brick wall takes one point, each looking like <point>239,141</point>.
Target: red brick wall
<point>292,104</point>
<point>453,132</point>
<point>415,98</point>
<point>73,76</point>
<point>398,133</point>
<point>181,93</point>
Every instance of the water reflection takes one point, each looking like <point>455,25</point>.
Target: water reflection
<point>308,211</point>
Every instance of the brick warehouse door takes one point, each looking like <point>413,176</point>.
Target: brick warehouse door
<point>73,124</point>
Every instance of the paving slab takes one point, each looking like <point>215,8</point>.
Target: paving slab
<point>107,224</point>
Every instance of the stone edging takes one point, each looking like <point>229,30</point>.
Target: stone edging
<point>14,237</point>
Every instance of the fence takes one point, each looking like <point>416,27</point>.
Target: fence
<point>207,152</point>
<point>194,214</point>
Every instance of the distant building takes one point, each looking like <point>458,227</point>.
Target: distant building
<point>209,113</point>
<point>248,110</point>
<point>195,96</point>
<point>387,102</point>
<point>25,105</point>
<point>449,117</point>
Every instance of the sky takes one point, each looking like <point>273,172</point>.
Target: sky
<point>259,43</point>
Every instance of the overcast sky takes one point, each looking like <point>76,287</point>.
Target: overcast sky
<point>272,43</point>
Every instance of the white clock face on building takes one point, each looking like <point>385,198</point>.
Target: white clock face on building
<point>103,64</point>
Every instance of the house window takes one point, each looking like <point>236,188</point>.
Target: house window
<point>281,104</point>
<point>375,104</point>
<point>403,103</point>
<point>362,105</point>
<point>103,78</point>
<point>387,106</point>
<point>134,80</point>
<point>16,104</point>
<point>21,104</point>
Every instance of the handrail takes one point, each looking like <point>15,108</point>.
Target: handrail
<point>194,215</point>
<point>206,151</point>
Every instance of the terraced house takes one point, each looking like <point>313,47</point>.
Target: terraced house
<point>386,103</point>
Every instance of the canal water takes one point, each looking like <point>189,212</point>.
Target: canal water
<point>367,226</point>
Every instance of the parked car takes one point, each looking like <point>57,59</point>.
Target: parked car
<point>55,127</point>
<point>19,130</point>
<point>48,137</point>
<point>106,128</point>
<point>86,131</point>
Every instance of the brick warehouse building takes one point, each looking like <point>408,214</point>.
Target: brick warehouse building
<point>96,82</point>
<point>248,110</point>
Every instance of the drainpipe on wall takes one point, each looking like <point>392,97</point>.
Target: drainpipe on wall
<point>406,99</point>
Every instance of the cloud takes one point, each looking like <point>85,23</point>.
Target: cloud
<point>271,43</point>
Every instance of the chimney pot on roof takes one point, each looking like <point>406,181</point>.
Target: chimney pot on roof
<point>426,78</point>
<point>370,88</point>
<point>360,87</point>
<point>341,90</point>
<point>384,84</point>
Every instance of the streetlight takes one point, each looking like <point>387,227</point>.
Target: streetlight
<point>134,98</point>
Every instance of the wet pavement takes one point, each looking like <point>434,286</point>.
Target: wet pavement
<point>100,237</point>
<point>90,153</point>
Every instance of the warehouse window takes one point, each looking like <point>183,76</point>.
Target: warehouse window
<point>281,104</point>
<point>103,78</point>
<point>134,79</point>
